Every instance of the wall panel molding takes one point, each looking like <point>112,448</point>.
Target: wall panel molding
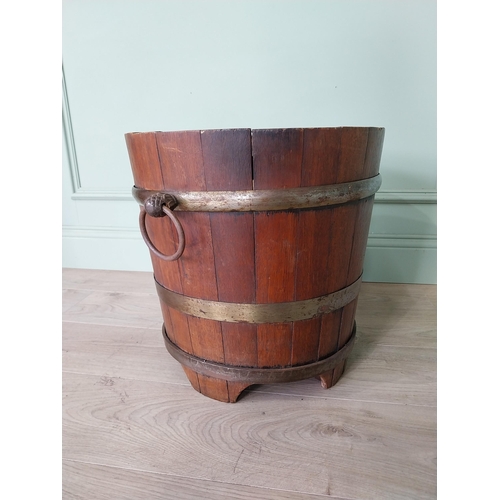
<point>374,240</point>
<point>69,138</point>
<point>93,195</point>
<point>407,197</point>
<point>81,193</point>
<point>101,232</point>
<point>402,241</point>
<point>390,258</point>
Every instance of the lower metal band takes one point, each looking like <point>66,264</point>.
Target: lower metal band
<point>280,312</point>
<point>258,375</point>
<point>264,200</point>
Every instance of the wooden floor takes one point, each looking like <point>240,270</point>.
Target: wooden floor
<point>133,428</point>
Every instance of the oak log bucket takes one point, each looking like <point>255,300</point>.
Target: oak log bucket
<point>257,240</point>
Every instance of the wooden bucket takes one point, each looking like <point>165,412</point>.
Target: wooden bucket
<point>257,240</point>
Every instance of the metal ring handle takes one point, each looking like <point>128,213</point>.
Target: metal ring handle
<point>149,243</point>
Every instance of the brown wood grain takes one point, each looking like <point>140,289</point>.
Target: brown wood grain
<point>313,265</point>
<point>329,333</point>
<point>321,149</point>
<point>180,327</point>
<point>182,168</point>
<point>275,254</point>
<point>182,165</point>
<point>125,402</point>
<point>261,257</point>
<point>194,379</point>
<point>167,321</point>
<point>233,240</point>
<point>373,152</point>
<point>353,143</point>
<point>362,226</point>
<point>324,244</point>
<point>323,253</point>
<point>320,157</point>
<point>305,341</point>
<point>164,236</point>
<point>360,238</point>
<point>277,158</point>
<point>147,172</point>
<point>349,167</point>
<point>393,359</point>
<point>277,164</point>
<point>206,338</point>
<point>181,160</point>
<point>328,342</point>
<point>350,221</point>
<point>143,155</point>
<point>227,159</point>
<point>342,228</point>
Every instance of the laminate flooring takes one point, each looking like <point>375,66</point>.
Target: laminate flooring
<point>133,427</point>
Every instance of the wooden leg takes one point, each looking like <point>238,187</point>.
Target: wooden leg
<point>331,377</point>
<point>193,378</point>
<point>235,389</point>
<point>214,388</point>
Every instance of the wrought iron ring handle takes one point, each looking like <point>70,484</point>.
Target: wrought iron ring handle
<point>159,205</point>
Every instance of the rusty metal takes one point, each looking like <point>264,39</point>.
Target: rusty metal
<point>267,199</point>
<point>258,375</point>
<point>153,208</point>
<point>279,312</point>
<point>154,204</point>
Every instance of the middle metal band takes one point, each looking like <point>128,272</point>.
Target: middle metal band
<point>281,312</point>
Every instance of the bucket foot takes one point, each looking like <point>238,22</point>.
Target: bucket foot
<point>215,388</point>
<point>235,389</point>
<point>235,379</point>
<point>331,377</point>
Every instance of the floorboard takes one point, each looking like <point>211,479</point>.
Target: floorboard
<point>405,375</point>
<point>306,445</point>
<point>110,281</point>
<point>84,481</point>
<point>118,309</point>
<point>380,373</point>
<point>133,427</point>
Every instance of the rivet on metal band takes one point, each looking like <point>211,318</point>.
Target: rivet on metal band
<point>280,312</point>
<point>258,375</point>
<point>267,199</point>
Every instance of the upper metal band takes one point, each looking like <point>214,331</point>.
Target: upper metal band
<point>280,312</point>
<point>267,199</point>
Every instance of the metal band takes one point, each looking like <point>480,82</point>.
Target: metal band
<point>280,312</point>
<point>258,375</point>
<point>267,199</point>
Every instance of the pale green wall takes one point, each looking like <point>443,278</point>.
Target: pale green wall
<point>175,65</point>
